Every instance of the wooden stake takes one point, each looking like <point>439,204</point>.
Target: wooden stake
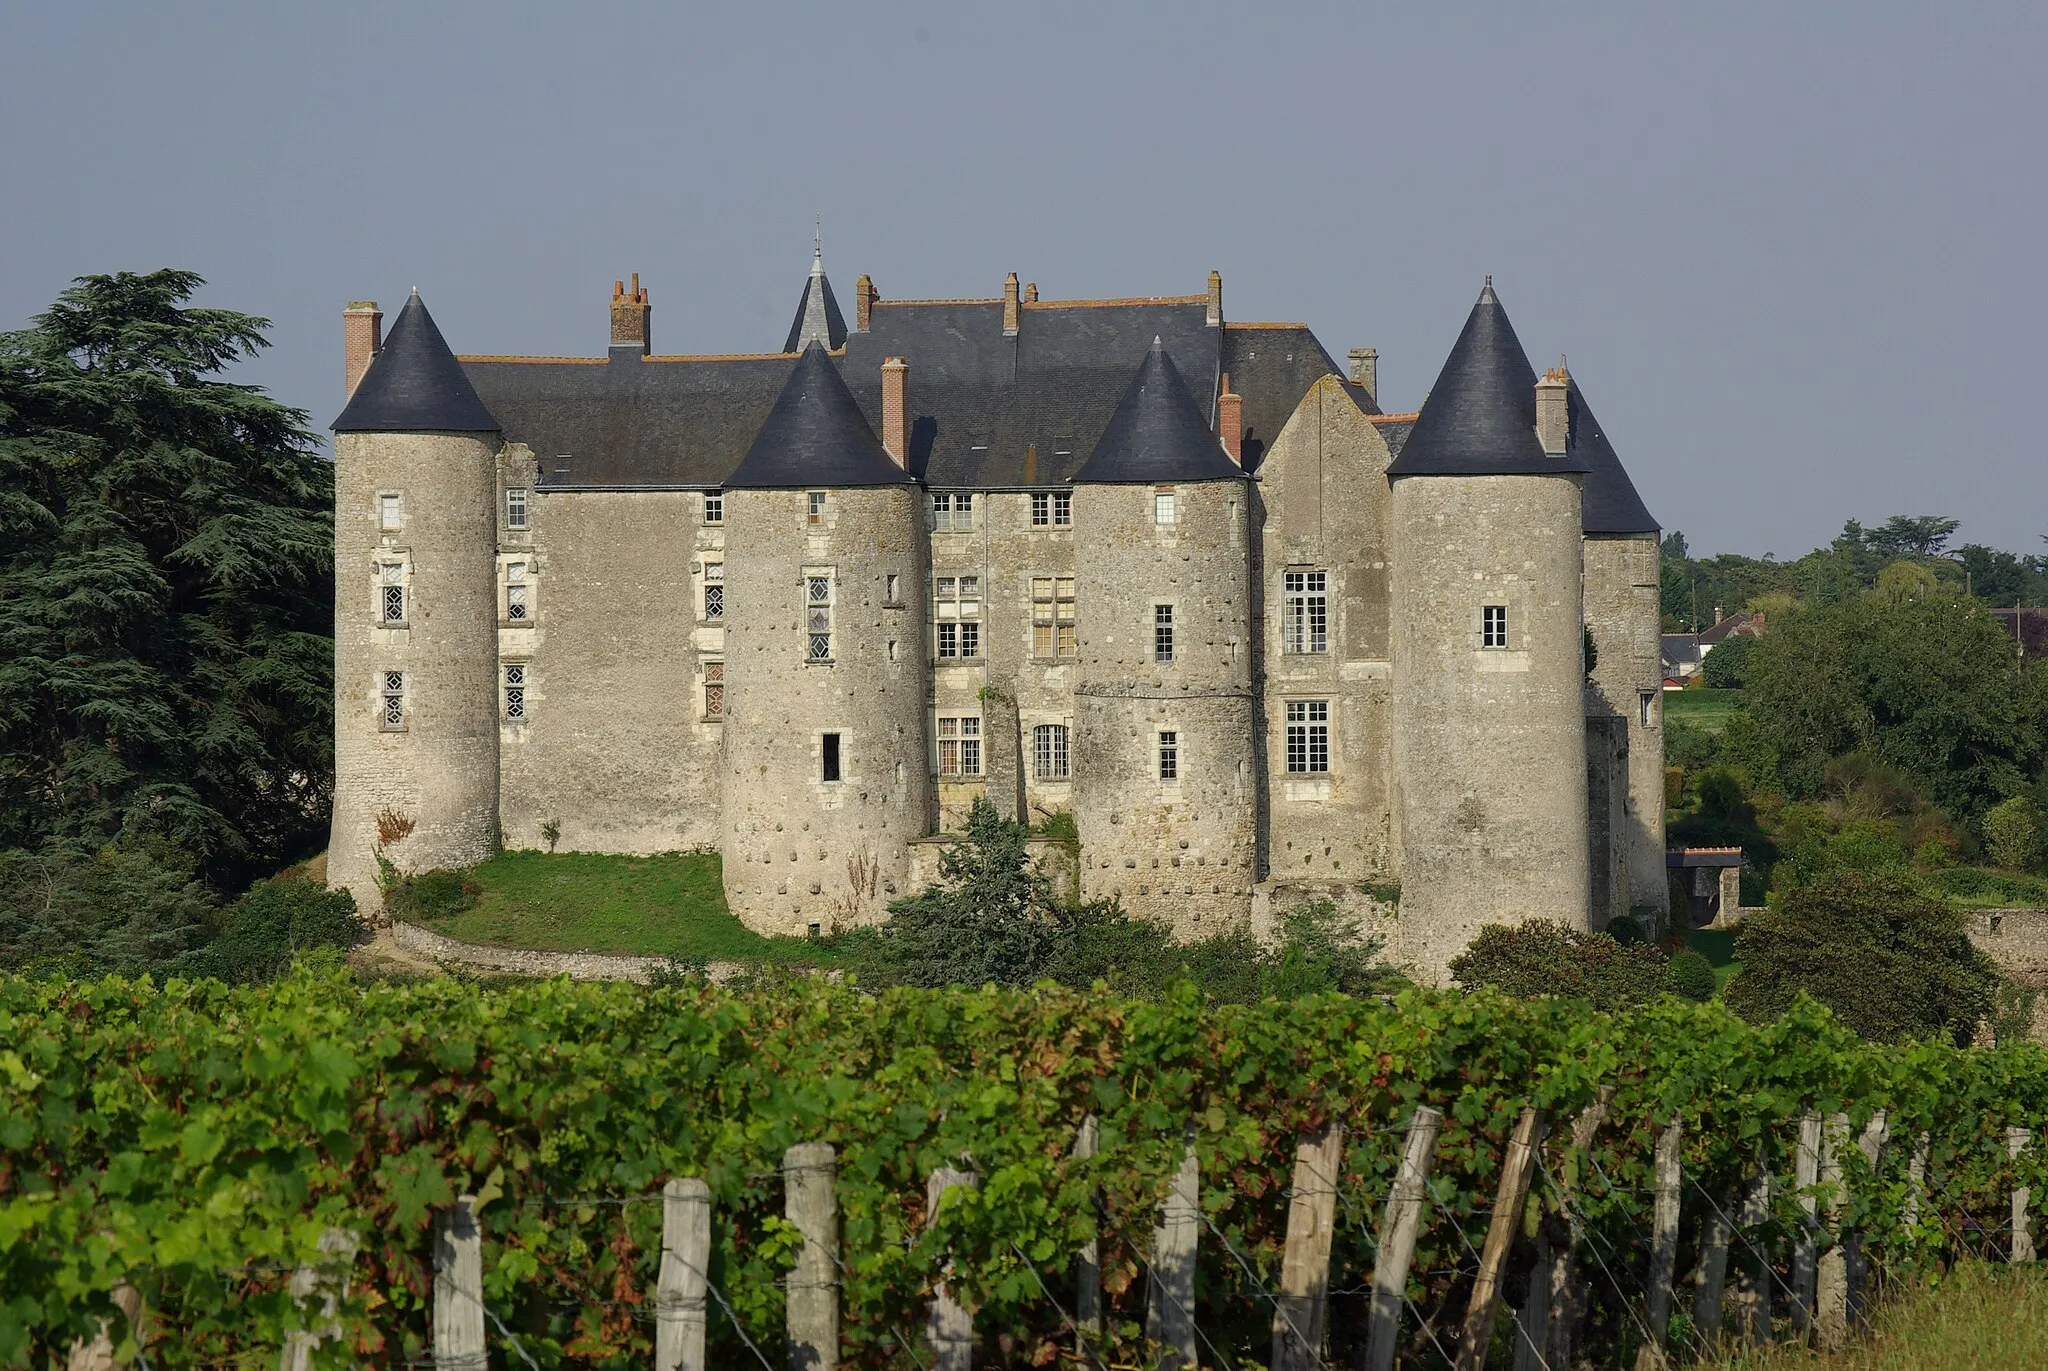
<point>1397,1238</point>
<point>1831,1300</point>
<point>684,1275</point>
<point>1805,1175</point>
<point>1664,1233</point>
<point>1711,1276</point>
<point>950,1328</point>
<point>1532,1320</point>
<point>1569,1294</point>
<point>1301,1313</point>
<point>459,1288</point>
<point>1916,1179</point>
<point>1871,1143</point>
<point>1170,1315</point>
<point>1516,1170</point>
<point>1753,1289</point>
<point>327,1281</point>
<point>810,1189</point>
<point>1088,1261</point>
<point>2016,1140</point>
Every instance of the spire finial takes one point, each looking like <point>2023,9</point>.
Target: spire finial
<point>1156,344</point>
<point>415,290</point>
<point>818,246</point>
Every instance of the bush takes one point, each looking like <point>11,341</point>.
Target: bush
<point>1690,975</point>
<point>1545,958</point>
<point>2012,834</point>
<point>122,910</point>
<point>276,920</point>
<point>429,895</point>
<point>1726,666</point>
<point>1891,961</point>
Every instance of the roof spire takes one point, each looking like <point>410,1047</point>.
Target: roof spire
<point>818,247</point>
<point>415,385</point>
<point>818,319</point>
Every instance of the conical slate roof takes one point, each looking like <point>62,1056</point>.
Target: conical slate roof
<point>1608,498</point>
<point>1157,434</point>
<point>817,314</point>
<point>815,436</point>
<point>415,385</point>
<point>1480,417</point>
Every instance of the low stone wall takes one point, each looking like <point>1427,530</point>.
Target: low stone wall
<point>1376,918</point>
<point>1053,858</point>
<point>2017,940</point>
<point>514,961</point>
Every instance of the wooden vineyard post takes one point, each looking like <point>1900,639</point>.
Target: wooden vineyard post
<point>2016,1140</point>
<point>949,1328</point>
<point>327,1281</point>
<point>683,1278</point>
<point>1916,1179</point>
<point>1568,1293</point>
<point>1516,1170</point>
<point>810,1188</point>
<point>1805,1175</point>
<point>1170,1309</point>
<point>1088,1261</point>
<point>1532,1320</point>
<point>458,1288</point>
<point>1753,1289</point>
<point>98,1355</point>
<point>1664,1216</point>
<point>1710,1277</point>
<point>1397,1238</point>
<point>1831,1288</point>
<point>1871,1143</point>
<point>1300,1314</point>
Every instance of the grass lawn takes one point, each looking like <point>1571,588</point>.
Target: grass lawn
<point>1980,1317</point>
<point>1717,945</point>
<point>669,905</point>
<point>1706,710</point>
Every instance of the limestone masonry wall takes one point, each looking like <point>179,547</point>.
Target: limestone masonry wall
<point>1622,589</point>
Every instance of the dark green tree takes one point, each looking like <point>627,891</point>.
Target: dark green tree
<point>120,911</point>
<point>166,570</point>
<point>1726,667</point>
<point>1545,958</point>
<point>1910,535</point>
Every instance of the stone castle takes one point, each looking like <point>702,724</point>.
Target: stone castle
<point>1174,575</point>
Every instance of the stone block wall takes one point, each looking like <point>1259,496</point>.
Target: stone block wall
<point>1623,615</point>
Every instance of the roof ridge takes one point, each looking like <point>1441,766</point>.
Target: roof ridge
<point>516,357</point>
<point>1393,418</point>
<point>1232,323</point>
<point>1098,302</point>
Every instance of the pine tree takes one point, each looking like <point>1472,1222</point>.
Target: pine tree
<point>166,573</point>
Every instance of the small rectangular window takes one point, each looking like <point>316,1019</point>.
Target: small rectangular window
<point>1169,756</point>
<point>1493,626</point>
<point>1062,508</point>
<point>892,589</point>
<point>1162,633</point>
<point>952,512</point>
<point>515,592</point>
<point>391,594</point>
<point>515,508</point>
<point>391,699</point>
<point>1049,752</point>
<point>714,506</point>
<point>818,597</point>
<point>1052,617</point>
<point>817,507</point>
<point>956,612</point>
<point>515,692</point>
<point>829,769</point>
<point>1305,611</point>
<point>714,690</point>
<point>389,514</point>
<point>1308,736</point>
<point>960,746</point>
<point>1163,512</point>
<point>714,590</point>
<point>1648,703</point>
<point>1041,511</point>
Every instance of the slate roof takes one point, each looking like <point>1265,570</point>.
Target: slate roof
<point>1480,417</point>
<point>817,299</point>
<point>415,385</point>
<point>1608,500</point>
<point>1157,434</point>
<point>815,436</point>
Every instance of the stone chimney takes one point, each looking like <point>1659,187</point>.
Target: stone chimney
<point>1365,371</point>
<point>864,298</point>
<point>1553,416</point>
<point>630,312</point>
<point>1215,299</point>
<point>1230,421</point>
<point>362,338</point>
<point>896,409</point>
<point>1031,292</point>
<point>1011,310</point>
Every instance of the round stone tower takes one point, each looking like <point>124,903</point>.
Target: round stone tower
<point>1489,733</point>
<point>1165,771</point>
<point>415,614</point>
<point>826,781</point>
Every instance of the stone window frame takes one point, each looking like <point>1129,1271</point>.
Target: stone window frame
<point>1306,732</point>
<point>961,745</point>
<point>711,602</point>
<point>1164,645</point>
<point>964,643</point>
<point>1052,753</point>
<point>831,757</point>
<point>714,507</point>
<point>820,616</point>
<point>1305,611</point>
<point>515,687</point>
<point>516,592</point>
<point>951,511</point>
<point>388,509</point>
<point>1166,755</point>
<point>712,669</point>
<point>1493,628</point>
<point>391,572</point>
<point>817,505</point>
<point>1054,619</point>
<point>517,508</point>
<point>1165,507</point>
<point>1646,707</point>
<point>389,692</point>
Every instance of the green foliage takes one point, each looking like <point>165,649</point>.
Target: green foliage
<point>166,585</point>
<point>427,896</point>
<point>1726,667</point>
<point>1543,958</point>
<point>274,922</point>
<point>1968,885</point>
<point>2012,834</point>
<point>121,910</point>
<point>1891,961</point>
<point>1690,975</point>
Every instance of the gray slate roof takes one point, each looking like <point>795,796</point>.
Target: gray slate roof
<point>1480,417</point>
<point>415,385</point>
<point>815,436</point>
<point>1157,434</point>
<point>820,310</point>
<point>1608,499</point>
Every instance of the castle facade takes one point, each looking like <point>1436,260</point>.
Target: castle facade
<point>1174,575</point>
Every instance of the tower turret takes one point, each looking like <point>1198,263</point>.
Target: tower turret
<point>1489,724</point>
<point>415,618</point>
<point>818,319</point>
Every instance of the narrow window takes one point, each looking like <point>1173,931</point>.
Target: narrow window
<point>391,594</point>
<point>388,513</point>
<point>956,610</point>
<point>1305,611</point>
<point>830,769</point>
<point>714,506</point>
<point>1052,617</point>
<point>1162,633</point>
<point>819,607</point>
<point>1162,506</point>
<point>942,512</point>
<point>1049,752</point>
<point>892,587</point>
<point>391,700</point>
<point>1169,756</point>
<point>1041,511</point>
<point>817,508</point>
<point>515,592</point>
<point>1308,736</point>
<point>515,508</point>
<point>515,692</point>
<point>714,690</point>
<point>1648,701</point>
<point>960,746</point>
<point>714,590</point>
<point>963,511</point>
<point>1062,508</point>
<point>1493,626</point>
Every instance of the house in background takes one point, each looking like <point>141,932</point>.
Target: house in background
<point>1686,653</point>
<point>2028,628</point>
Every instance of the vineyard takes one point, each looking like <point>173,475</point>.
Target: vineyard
<point>341,1158</point>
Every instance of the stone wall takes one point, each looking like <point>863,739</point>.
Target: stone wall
<point>1623,615</point>
<point>2016,940</point>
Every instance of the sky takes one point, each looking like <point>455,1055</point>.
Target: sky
<point>1791,251</point>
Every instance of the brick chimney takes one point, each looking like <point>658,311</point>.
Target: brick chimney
<point>1553,419</point>
<point>1031,292</point>
<point>630,312</point>
<point>1365,371</point>
<point>1215,299</point>
<point>864,298</point>
<point>1011,311</point>
<point>1230,421</point>
<point>896,409</point>
<point>362,338</point>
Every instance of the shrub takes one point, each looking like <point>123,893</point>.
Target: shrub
<point>2012,834</point>
<point>1891,961</point>
<point>273,922</point>
<point>429,895</point>
<point>122,910</point>
<point>1545,958</point>
<point>1690,975</point>
<point>1726,667</point>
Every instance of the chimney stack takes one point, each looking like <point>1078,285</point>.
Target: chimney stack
<point>896,409</point>
<point>1010,308</point>
<point>1230,421</point>
<point>630,312</point>
<point>1365,372</point>
<point>1553,417</point>
<point>864,298</point>
<point>1031,292</point>
<point>362,338</point>
<point>1215,299</point>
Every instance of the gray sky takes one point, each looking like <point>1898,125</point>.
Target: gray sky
<point>1790,249</point>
